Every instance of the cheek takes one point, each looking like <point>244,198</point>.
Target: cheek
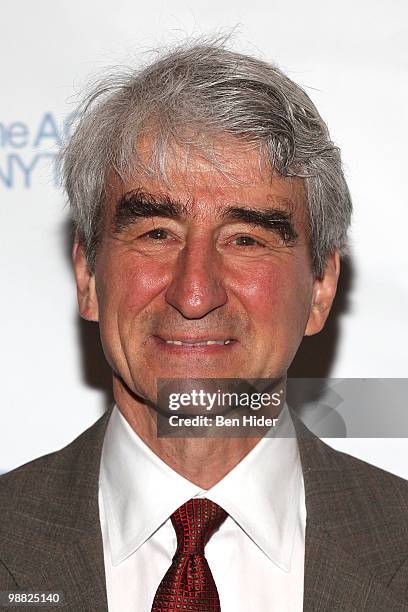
<point>141,284</point>
<point>125,288</point>
<point>275,292</point>
<point>130,285</point>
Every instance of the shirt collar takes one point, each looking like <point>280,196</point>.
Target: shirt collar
<point>261,493</point>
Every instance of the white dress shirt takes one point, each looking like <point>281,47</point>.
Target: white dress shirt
<point>256,556</point>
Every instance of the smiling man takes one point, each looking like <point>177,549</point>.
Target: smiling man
<point>211,214</point>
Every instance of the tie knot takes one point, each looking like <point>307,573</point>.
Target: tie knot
<point>195,522</point>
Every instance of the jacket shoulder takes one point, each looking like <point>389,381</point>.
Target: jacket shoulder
<point>331,475</point>
<point>363,477</point>
<point>54,481</point>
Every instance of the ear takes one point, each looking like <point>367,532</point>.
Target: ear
<point>85,282</point>
<point>324,290</point>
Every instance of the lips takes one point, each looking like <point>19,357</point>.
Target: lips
<point>195,342</point>
<point>198,342</point>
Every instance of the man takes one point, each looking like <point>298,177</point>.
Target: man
<point>211,213</point>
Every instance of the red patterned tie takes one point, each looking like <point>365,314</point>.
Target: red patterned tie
<point>188,584</point>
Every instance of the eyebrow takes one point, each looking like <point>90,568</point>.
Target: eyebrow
<point>139,204</point>
<point>271,219</point>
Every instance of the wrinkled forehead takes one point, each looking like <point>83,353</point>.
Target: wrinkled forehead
<point>205,172</point>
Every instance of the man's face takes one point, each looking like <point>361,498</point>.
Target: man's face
<point>206,275</point>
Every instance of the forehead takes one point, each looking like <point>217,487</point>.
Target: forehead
<point>227,172</point>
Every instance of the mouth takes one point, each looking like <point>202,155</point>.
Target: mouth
<point>189,344</point>
<point>199,342</point>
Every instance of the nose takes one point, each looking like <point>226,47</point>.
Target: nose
<point>197,287</point>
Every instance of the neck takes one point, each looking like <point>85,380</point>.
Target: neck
<point>203,461</point>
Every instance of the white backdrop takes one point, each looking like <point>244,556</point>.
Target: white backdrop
<point>352,59</point>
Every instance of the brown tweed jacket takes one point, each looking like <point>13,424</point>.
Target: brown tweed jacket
<point>356,532</point>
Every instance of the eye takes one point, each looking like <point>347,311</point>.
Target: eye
<point>156,234</point>
<point>247,241</point>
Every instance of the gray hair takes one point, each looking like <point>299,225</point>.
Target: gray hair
<point>207,90</point>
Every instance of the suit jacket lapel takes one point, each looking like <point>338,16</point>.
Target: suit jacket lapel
<point>77,572</point>
<point>336,582</point>
<point>58,546</point>
<point>353,550</point>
